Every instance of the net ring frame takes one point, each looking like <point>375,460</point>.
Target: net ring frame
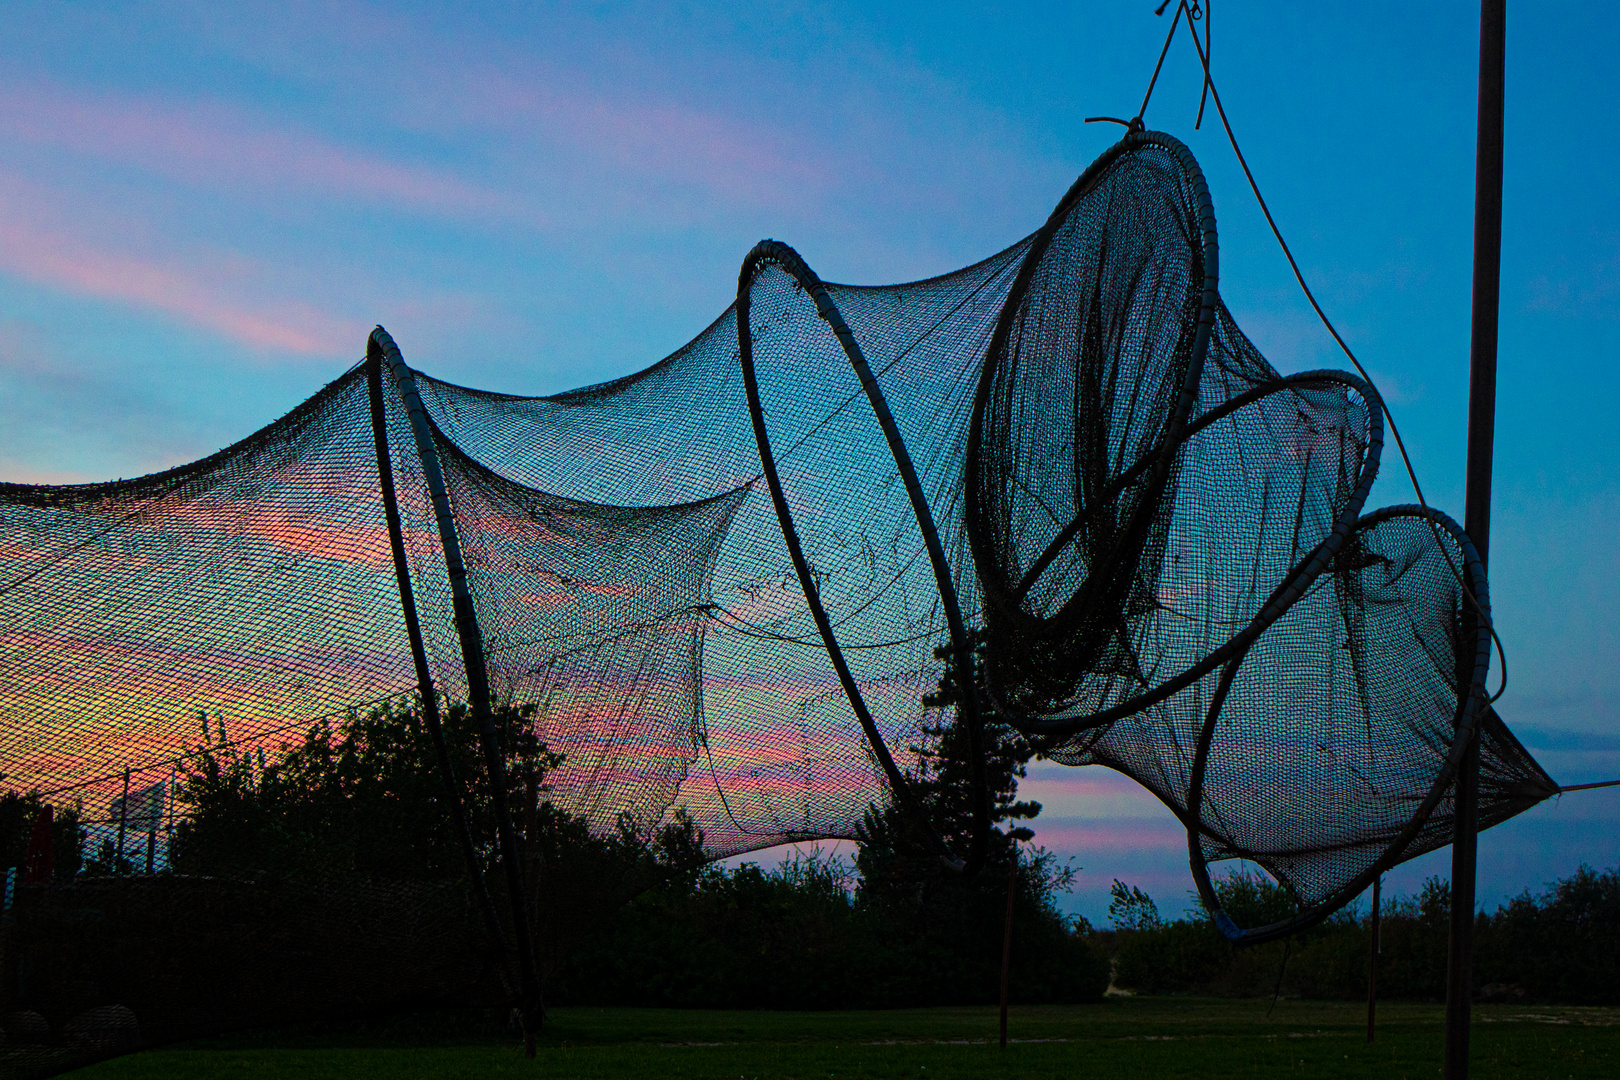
<point>1297,581</point>
<point>774,252</point>
<point>1186,397</point>
<point>1177,431</point>
<point>1470,703</point>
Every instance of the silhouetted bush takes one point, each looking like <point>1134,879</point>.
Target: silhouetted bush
<point>1560,947</point>
<point>17,813</point>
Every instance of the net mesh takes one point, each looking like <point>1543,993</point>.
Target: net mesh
<point>1158,539</point>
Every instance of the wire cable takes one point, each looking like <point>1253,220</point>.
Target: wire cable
<point>1168,38</point>
<point>1299,276</point>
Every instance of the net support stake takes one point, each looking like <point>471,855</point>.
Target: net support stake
<point>1006,941</point>
<point>1477,503</point>
<point>530,1006</point>
<point>424,674</point>
<point>1372,959</point>
<point>123,822</point>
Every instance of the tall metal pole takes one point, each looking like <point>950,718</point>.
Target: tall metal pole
<point>1477,506</point>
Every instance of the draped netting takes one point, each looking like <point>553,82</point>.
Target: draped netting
<point>1178,581</point>
<point>720,589</point>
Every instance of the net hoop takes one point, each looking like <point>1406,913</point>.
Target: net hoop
<point>773,252</point>
<point>472,652</point>
<point>1293,585</point>
<point>1179,428</point>
<point>1466,723</point>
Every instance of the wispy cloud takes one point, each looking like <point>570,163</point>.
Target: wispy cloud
<point>196,290</point>
<point>134,418</point>
<point>663,140</point>
<point>215,144</point>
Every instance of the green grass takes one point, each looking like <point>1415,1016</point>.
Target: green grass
<point>1116,1040</point>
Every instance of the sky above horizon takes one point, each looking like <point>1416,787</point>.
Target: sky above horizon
<point>204,209</point>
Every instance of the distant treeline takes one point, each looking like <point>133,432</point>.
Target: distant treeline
<point>1562,946</point>
<point>890,928</point>
<point>814,933</point>
<point>641,917</point>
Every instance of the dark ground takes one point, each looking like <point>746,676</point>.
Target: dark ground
<point>1119,1039</point>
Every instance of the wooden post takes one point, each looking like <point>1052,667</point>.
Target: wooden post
<point>40,862</point>
<point>1006,941</point>
<point>168,829</point>
<point>123,823</point>
<point>1372,960</point>
<point>1477,503</point>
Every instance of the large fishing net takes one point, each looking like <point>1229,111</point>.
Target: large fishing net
<point>707,601</point>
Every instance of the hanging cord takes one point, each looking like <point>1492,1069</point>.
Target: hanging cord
<point>1406,460</point>
<point>1168,38</point>
<point>1208,53</point>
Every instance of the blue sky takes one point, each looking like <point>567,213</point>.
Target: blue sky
<point>204,208</point>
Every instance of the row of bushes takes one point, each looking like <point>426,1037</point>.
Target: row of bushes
<point>812,934</point>
<point>1562,946</point>
<point>361,798</point>
<point>641,916</point>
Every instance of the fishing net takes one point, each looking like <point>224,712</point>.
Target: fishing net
<point>696,611</point>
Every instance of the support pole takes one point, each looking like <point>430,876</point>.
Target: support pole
<point>1006,941</point>
<point>171,791</point>
<point>454,795</point>
<point>1477,507</point>
<point>530,1007</point>
<point>1372,960</point>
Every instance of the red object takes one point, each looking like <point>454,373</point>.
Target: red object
<point>41,857</point>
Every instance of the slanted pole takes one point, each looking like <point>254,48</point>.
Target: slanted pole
<point>1477,506</point>
<point>1372,960</point>
<point>530,1007</point>
<point>454,796</point>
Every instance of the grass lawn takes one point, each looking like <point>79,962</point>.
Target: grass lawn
<point>1119,1039</point>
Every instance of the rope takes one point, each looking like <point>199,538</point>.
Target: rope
<point>1299,276</point>
<point>1162,53</point>
<point>1209,51</point>
<point>1588,787</point>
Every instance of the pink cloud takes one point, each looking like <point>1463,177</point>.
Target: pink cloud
<point>553,125</point>
<point>730,158</point>
<point>58,259</point>
<point>1130,836</point>
<point>16,472</point>
<point>220,143</point>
